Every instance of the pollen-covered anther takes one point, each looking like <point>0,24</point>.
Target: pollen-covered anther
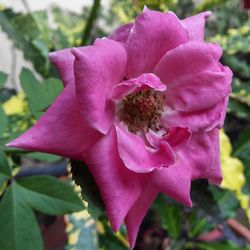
<point>142,110</point>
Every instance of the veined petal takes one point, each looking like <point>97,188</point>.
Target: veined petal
<point>121,34</point>
<point>153,34</point>
<point>192,71</point>
<point>138,211</point>
<point>119,187</point>
<point>96,71</point>
<point>204,120</point>
<point>148,159</point>
<point>60,130</point>
<point>195,25</point>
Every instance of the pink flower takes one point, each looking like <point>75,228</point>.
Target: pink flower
<point>142,108</point>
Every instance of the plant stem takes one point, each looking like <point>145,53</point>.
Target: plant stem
<point>91,20</point>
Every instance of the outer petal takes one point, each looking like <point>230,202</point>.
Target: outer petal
<point>192,71</point>
<point>175,181</point>
<point>119,187</point>
<point>148,159</point>
<point>97,70</point>
<point>135,216</point>
<point>63,60</point>
<point>202,155</point>
<point>121,34</point>
<point>153,34</point>
<point>195,25</point>
<point>204,120</point>
<point>60,130</point>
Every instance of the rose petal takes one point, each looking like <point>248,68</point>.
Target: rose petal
<point>195,25</point>
<point>174,181</point>
<point>119,187</point>
<point>63,61</point>
<point>121,34</point>
<point>178,137</point>
<point>60,130</point>
<point>190,73</point>
<point>204,120</point>
<point>153,34</point>
<point>97,70</point>
<point>147,159</point>
<point>137,213</point>
<point>215,172</point>
<point>144,81</point>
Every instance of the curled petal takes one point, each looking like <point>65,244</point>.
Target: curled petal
<point>195,25</point>
<point>204,120</point>
<point>148,159</point>
<point>60,130</point>
<point>119,187</point>
<point>96,71</point>
<point>144,81</point>
<point>192,71</point>
<point>178,137</point>
<point>121,34</point>
<point>63,61</point>
<point>138,211</point>
<point>153,34</point>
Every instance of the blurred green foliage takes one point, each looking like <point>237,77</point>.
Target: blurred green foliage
<point>167,222</point>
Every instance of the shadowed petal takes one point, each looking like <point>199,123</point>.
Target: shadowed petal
<point>96,71</point>
<point>195,25</point>
<point>60,130</point>
<point>121,34</point>
<point>216,174</point>
<point>192,71</point>
<point>137,213</point>
<point>119,187</point>
<point>148,159</point>
<point>153,34</point>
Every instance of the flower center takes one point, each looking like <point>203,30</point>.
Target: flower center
<point>142,110</point>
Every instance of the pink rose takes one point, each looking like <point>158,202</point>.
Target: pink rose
<point>142,108</point>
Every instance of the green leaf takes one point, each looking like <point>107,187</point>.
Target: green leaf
<point>227,245</point>
<point>108,240</point>
<point>226,201</point>
<point>19,229</point>
<point>22,29</point>
<point>40,95</point>
<point>43,157</point>
<point>3,120</point>
<point>3,78</point>
<point>171,216</point>
<point>90,192</point>
<point>50,195</point>
<point>5,170</point>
